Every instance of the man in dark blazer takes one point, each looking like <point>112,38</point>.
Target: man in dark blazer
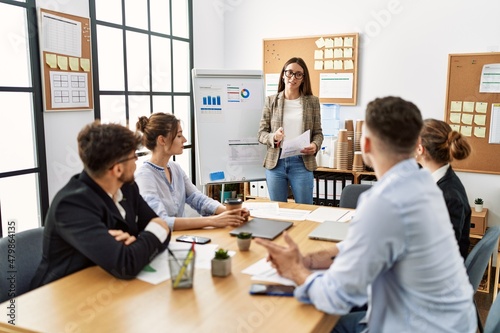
<point>99,217</point>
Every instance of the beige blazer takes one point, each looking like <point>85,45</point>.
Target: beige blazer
<point>272,119</point>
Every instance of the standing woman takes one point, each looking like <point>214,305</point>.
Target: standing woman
<point>285,116</point>
<point>166,187</point>
<point>439,146</point>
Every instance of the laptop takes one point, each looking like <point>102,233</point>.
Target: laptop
<point>263,228</point>
<point>333,231</point>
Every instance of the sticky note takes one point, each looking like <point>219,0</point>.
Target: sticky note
<point>348,64</point>
<point>329,42</point>
<point>480,132</point>
<point>481,107</point>
<point>468,107</point>
<point>480,119</point>
<point>85,63</point>
<point>455,128</point>
<point>320,42</point>
<point>467,119</point>
<point>456,106</point>
<point>455,117</point>
<point>74,64</point>
<point>329,64</point>
<point>62,62</point>
<point>338,53</point>
<point>218,175</point>
<point>348,41</point>
<point>466,130</point>
<point>328,53</point>
<point>51,60</point>
<point>338,42</point>
<point>318,65</point>
<point>338,64</point>
<point>318,54</point>
<point>348,52</point>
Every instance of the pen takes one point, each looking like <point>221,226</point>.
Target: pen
<point>187,261</point>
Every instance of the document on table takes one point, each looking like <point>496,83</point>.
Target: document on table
<point>271,210</point>
<point>294,146</point>
<point>158,271</point>
<point>323,214</point>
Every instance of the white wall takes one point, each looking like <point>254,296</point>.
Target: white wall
<point>404,49</point>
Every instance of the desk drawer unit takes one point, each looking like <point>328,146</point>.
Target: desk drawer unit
<point>478,222</point>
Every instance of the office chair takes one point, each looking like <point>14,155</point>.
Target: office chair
<point>477,261</point>
<point>25,260</point>
<point>493,320</point>
<point>350,194</point>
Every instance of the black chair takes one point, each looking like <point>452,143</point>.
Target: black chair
<point>350,194</point>
<point>19,268</point>
<point>478,259</point>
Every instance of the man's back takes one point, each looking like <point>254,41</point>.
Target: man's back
<point>421,284</point>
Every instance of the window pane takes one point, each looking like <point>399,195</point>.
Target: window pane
<point>138,106</point>
<point>136,14</point>
<point>181,69</point>
<point>161,67</point>
<point>162,104</point>
<point>14,54</point>
<point>182,111</point>
<point>109,11</point>
<point>110,57</point>
<point>180,17</point>
<point>160,16</point>
<point>137,61</point>
<point>21,205</point>
<point>16,131</point>
<point>113,109</point>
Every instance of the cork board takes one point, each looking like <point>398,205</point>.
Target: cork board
<point>473,108</point>
<point>332,61</point>
<point>66,61</point>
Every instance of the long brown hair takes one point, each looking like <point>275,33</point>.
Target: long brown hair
<point>305,86</point>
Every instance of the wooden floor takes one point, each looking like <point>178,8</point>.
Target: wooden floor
<point>484,300</point>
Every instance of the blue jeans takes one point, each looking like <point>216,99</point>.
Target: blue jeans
<point>349,323</point>
<point>290,170</point>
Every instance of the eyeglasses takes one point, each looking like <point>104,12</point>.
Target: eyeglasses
<point>298,75</point>
<point>135,157</point>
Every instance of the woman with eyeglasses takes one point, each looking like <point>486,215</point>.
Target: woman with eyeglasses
<point>439,146</point>
<point>166,187</point>
<point>286,115</point>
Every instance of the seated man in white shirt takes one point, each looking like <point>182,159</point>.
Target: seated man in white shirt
<point>400,254</point>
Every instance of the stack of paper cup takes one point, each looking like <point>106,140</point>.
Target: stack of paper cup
<point>342,157</point>
<point>357,134</point>
<point>357,163</point>
<point>349,126</point>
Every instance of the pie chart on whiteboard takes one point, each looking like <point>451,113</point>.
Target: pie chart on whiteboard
<point>245,93</point>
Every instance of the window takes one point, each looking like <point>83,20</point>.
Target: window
<point>143,53</point>
<point>23,177</point>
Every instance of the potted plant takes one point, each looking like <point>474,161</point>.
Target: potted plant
<point>230,191</point>
<point>244,239</point>
<point>221,263</point>
<point>478,205</point>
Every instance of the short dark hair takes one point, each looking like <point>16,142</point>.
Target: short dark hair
<point>396,122</point>
<point>102,145</point>
<point>164,124</point>
<point>305,86</point>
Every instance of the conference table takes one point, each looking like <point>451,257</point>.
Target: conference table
<point>92,300</point>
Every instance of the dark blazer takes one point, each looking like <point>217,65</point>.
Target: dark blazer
<point>272,119</point>
<point>458,208</point>
<point>76,232</point>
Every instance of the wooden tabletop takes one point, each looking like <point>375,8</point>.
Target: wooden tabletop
<point>94,301</point>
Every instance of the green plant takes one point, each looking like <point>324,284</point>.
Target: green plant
<point>231,187</point>
<point>244,235</point>
<point>221,254</point>
<point>478,201</point>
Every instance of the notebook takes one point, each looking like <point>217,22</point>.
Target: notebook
<point>263,228</point>
<point>330,231</point>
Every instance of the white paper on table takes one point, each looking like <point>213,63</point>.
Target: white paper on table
<point>204,254</point>
<point>323,214</point>
<point>294,146</point>
<point>263,271</point>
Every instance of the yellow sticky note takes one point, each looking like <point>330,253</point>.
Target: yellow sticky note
<point>85,63</point>
<point>466,130</point>
<point>468,106</point>
<point>328,42</point>
<point>51,60</point>
<point>455,117</point>
<point>62,62</point>
<point>348,41</point>
<point>329,64</point>
<point>480,132</point>
<point>348,64</point>
<point>338,53</point>
<point>337,64</point>
<point>455,128</point>
<point>328,53</point>
<point>480,119</point>
<point>338,41</point>
<point>456,106</point>
<point>467,119</point>
<point>73,64</point>
<point>481,107</point>
<point>348,52</point>
<point>320,42</point>
<point>318,65</point>
<point>318,54</point>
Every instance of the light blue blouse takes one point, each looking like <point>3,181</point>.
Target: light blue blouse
<point>168,199</point>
